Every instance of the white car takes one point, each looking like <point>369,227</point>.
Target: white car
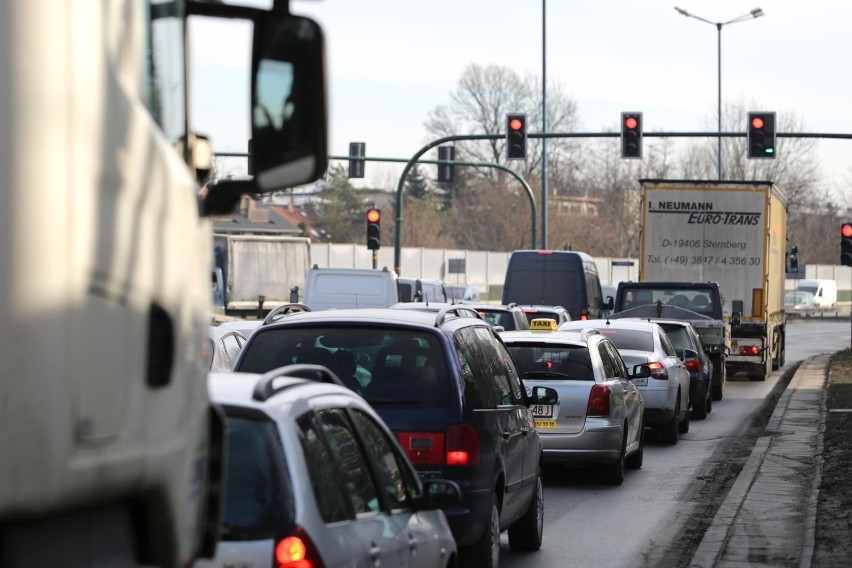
<point>666,390</point>
<point>313,477</point>
<point>223,346</point>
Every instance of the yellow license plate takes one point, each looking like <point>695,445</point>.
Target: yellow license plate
<point>545,424</point>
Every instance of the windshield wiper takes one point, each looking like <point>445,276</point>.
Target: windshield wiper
<point>545,374</point>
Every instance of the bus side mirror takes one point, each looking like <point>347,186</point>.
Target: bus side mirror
<point>793,257</point>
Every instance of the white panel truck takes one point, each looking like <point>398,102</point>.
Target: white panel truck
<point>110,451</point>
<point>733,233</point>
<point>252,274</point>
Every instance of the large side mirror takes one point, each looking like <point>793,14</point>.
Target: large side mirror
<point>641,372</point>
<point>794,259</point>
<point>608,303</point>
<point>736,313</point>
<point>441,494</point>
<point>689,354</point>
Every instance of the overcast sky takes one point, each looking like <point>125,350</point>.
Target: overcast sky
<point>390,62</point>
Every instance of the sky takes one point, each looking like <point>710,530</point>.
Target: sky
<point>391,62</point>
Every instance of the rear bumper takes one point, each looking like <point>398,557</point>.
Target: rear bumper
<point>599,442</point>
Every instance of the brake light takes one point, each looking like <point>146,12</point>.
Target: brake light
<point>584,314</point>
<point>297,551</point>
<point>462,445</point>
<point>693,365</point>
<point>750,350</point>
<point>658,370</point>
<point>599,401</point>
<point>423,448</point>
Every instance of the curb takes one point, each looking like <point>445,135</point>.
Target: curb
<point>713,544</point>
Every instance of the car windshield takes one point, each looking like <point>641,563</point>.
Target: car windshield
<point>630,338</point>
<point>699,301</point>
<point>544,361</point>
<point>498,317</point>
<point>384,365</point>
<point>259,502</point>
<point>812,290</point>
<point>797,297</point>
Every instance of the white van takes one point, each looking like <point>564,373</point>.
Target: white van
<point>824,291</point>
<point>329,288</point>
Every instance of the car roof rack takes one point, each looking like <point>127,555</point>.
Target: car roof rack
<point>265,387</point>
<point>279,312</point>
<point>457,310</point>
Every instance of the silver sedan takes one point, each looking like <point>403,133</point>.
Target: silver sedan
<point>666,388</point>
<point>598,419</point>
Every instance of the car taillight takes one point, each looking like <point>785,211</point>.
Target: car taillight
<point>750,350</point>
<point>658,370</point>
<point>584,314</point>
<point>297,551</point>
<point>693,365</point>
<point>599,401</point>
<point>423,448</point>
<point>462,445</point>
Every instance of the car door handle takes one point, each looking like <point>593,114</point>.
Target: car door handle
<point>375,553</point>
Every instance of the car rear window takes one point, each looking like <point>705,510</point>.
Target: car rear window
<point>630,339</point>
<point>499,317</point>
<point>389,365</point>
<point>678,336</point>
<point>259,500</point>
<point>555,362</point>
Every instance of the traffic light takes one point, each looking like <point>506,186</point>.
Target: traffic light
<point>516,136</point>
<point>356,166</point>
<point>446,172</point>
<point>631,135</point>
<point>846,244</point>
<point>761,135</point>
<point>374,229</point>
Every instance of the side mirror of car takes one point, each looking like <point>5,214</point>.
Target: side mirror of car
<point>641,372</point>
<point>441,494</point>
<point>736,313</point>
<point>608,303</point>
<point>689,354</point>
<point>544,395</point>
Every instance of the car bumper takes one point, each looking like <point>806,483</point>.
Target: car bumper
<point>599,442</point>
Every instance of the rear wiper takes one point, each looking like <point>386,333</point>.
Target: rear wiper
<point>545,374</point>
<point>388,402</point>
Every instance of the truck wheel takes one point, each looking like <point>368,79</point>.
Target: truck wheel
<point>777,360</point>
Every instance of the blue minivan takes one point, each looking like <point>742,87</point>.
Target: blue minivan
<point>554,278</point>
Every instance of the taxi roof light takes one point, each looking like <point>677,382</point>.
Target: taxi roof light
<point>543,324</point>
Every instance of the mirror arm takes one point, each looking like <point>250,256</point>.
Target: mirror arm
<point>220,10</point>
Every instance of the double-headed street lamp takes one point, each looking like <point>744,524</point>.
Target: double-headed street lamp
<point>756,13</point>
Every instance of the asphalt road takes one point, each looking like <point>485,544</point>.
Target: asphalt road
<point>590,524</point>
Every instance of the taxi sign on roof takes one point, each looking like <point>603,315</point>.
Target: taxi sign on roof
<point>543,324</point>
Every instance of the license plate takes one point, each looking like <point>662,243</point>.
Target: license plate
<point>643,382</point>
<point>545,424</point>
<point>542,410</point>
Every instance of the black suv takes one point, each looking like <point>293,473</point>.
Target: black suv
<point>447,387</point>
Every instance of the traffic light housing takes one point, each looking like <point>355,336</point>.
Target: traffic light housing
<point>631,135</point>
<point>516,136</point>
<point>446,172</point>
<point>761,135</point>
<point>374,229</point>
<point>357,151</point>
<point>846,244</point>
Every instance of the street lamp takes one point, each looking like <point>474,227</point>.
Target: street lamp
<point>756,13</point>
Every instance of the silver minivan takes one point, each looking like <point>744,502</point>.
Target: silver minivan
<point>313,477</point>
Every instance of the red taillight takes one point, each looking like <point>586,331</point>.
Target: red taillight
<point>462,445</point>
<point>423,448</point>
<point>693,365</point>
<point>750,350</point>
<point>599,401</point>
<point>297,551</point>
<point>584,314</point>
<point>658,370</point>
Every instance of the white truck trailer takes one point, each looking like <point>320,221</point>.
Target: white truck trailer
<point>733,233</point>
<point>110,451</point>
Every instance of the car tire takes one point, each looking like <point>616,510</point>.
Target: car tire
<point>718,381</point>
<point>683,425</point>
<point>668,432</point>
<point>634,460</point>
<point>613,473</point>
<point>528,531</point>
<point>709,402</point>
<point>486,551</point>
<point>699,409</point>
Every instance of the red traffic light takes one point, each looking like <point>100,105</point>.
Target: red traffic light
<point>846,230</point>
<point>516,124</point>
<point>757,122</point>
<point>631,123</point>
<point>374,215</point>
